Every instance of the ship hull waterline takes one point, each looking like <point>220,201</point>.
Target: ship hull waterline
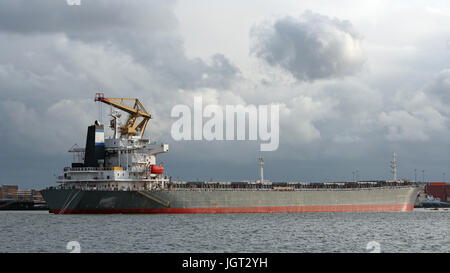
<point>76,201</point>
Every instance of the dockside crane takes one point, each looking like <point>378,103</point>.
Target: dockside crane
<point>131,127</point>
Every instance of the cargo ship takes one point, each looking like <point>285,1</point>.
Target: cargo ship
<point>120,174</point>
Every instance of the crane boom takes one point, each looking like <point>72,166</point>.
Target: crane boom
<point>131,127</point>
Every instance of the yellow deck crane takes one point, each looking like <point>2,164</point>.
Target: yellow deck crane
<point>131,127</point>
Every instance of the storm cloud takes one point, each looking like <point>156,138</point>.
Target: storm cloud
<point>145,30</point>
<point>345,102</point>
<point>310,47</point>
<point>421,113</point>
<point>95,17</point>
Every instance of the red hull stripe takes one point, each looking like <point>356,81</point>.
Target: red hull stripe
<point>281,209</point>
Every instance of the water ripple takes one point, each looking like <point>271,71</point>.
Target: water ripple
<point>417,231</point>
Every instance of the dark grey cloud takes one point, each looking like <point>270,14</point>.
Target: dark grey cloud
<point>419,114</point>
<point>440,87</point>
<point>145,30</point>
<point>310,47</point>
<point>93,16</point>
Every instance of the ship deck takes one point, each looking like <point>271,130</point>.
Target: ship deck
<point>268,186</point>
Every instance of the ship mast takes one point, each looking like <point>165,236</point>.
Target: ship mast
<point>261,169</point>
<point>115,122</point>
<point>394,166</point>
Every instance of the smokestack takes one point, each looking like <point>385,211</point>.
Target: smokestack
<point>95,146</point>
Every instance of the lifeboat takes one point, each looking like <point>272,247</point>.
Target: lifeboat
<point>156,169</point>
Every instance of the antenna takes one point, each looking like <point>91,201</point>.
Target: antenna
<point>99,96</point>
<point>261,169</point>
<point>114,123</point>
<point>394,166</point>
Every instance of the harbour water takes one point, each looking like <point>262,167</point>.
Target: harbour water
<point>39,231</point>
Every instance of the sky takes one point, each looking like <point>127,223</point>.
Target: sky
<point>355,81</point>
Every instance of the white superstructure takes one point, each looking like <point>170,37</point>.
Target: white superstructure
<point>121,162</point>
<point>128,166</point>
